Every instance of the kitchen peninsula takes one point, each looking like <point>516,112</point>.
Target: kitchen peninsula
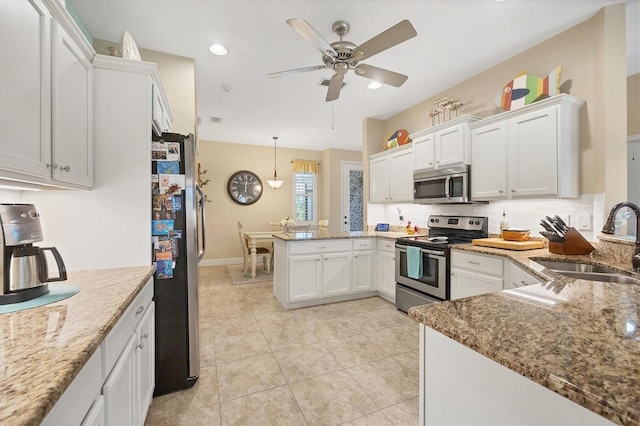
<point>563,352</point>
<point>45,349</point>
<point>313,268</point>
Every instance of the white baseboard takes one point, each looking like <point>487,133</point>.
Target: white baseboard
<point>219,262</point>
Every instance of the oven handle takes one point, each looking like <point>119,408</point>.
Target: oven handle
<point>427,251</point>
<point>447,185</point>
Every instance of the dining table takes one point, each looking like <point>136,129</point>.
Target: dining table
<point>253,239</point>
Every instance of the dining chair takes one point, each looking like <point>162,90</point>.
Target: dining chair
<point>275,226</point>
<point>260,251</point>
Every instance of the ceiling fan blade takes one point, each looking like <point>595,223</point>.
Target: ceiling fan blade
<point>312,36</point>
<point>334,86</point>
<point>400,32</point>
<point>297,70</point>
<point>380,74</point>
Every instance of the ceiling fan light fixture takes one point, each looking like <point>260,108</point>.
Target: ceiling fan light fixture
<point>374,85</point>
<point>275,183</point>
<point>218,49</point>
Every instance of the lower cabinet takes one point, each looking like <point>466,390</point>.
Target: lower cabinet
<point>115,387</point>
<point>306,273</point>
<point>515,277</point>
<point>362,276</point>
<point>473,274</point>
<point>336,274</point>
<point>387,270</point>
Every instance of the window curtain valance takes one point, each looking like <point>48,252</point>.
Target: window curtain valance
<point>305,166</point>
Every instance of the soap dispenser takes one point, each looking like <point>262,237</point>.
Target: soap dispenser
<point>503,223</point>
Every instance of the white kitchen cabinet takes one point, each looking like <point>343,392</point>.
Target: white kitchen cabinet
<point>336,274</point>
<point>515,277</point>
<point>305,275</point>
<point>387,269</point>
<point>532,152</point>
<point>46,107</point>
<point>444,145</point>
<point>362,264</point>
<point>424,151</point>
<point>473,274</point>
<point>391,176</point>
<point>161,116</point>
<point>95,416</point>
<point>119,389</point>
<point>145,363</point>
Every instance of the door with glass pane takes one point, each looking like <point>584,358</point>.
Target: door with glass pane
<point>352,197</point>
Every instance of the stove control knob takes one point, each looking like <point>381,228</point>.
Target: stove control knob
<point>437,220</point>
<point>477,222</point>
<point>470,222</point>
<point>431,220</point>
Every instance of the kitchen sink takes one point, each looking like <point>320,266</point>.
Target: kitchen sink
<point>602,277</point>
<point>561,267</point>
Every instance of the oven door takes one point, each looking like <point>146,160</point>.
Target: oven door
<point>449,186</point>
<point>434,272</point>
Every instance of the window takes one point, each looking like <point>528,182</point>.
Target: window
<point>304,198</point>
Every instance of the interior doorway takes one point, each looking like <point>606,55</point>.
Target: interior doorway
<point>352,197</point>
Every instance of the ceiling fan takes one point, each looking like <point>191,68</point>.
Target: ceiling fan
<point>341,56</point>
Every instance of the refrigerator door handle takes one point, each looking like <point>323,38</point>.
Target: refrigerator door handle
<point>200,225</point>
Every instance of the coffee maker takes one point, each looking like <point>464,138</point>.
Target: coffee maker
<point>23,266</point>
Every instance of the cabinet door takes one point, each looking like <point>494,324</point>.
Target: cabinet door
<point>160,121</point>
<point>533,154</point>
<point>72,80</point>
<point>466,283</point>
<point>95,416</point>
<point>305,277</point>
<point>362,266</point>
<point>336,274</point>
<point>25,87</point>
<point>119,389</point>
<point>517,277</point>
<point>489,162</point>
<point>401,177</point>
<point>145,363</point>
<point>424,153</point>
<point>379,180</point>
<point>449,146</point>
<point>387,284</point>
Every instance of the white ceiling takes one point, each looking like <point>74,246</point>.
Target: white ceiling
<point>456,40</point>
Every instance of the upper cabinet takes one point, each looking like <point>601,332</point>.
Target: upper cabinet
<point>529,153</point>
<point>45,107</point>
<point>443,145</point>
<point>391,176</point>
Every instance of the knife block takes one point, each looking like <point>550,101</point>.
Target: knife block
<point>574,244</point>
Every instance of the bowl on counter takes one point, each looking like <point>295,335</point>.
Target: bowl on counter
<point>515,234</point>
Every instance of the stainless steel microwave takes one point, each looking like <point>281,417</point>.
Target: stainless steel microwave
<point>442,186</point>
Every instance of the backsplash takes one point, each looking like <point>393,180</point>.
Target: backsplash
<point>520,213</point>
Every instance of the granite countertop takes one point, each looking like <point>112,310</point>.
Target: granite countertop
<point>43,349</point>
<point>319,235</point>
<point>579,338</point>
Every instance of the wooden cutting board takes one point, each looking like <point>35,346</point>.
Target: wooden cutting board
<point>509,245</point>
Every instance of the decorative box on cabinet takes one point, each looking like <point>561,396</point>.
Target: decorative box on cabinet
<point>46,114</point>
<point>443,145</point>
<point>528,153</point>
<point>391,176</point>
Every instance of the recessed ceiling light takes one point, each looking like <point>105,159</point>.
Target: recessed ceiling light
<point>218,49</point>
<point>374,85</point>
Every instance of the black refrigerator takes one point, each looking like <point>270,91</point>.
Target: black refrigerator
<point>178,244</point>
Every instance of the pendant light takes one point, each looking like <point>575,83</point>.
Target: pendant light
<point>275,183</point>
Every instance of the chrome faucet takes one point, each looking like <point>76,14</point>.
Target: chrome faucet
<point>609,228</point>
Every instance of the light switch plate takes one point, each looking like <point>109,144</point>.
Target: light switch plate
<point>584,222</point>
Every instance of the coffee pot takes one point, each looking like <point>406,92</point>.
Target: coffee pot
<point>24,267</point>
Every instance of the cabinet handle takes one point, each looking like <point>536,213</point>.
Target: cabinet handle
<point>66,168</point>
<point>52,165</point>
<point>500,191</point>
<point>145,335</point>
<point>141,345</point>
<point>140,309</point>
<point>431,164</point>
<point>321,247</point>
<point>513,190</point>
<point>473,263</point>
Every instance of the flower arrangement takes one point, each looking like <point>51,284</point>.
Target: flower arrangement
<point>286,222</point>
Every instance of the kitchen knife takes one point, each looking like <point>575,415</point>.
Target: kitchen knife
<point>555,226</point>
<point>562,223</point>
<point>546,226</point>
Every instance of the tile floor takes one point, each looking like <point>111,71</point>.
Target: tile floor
<point>348,363</point>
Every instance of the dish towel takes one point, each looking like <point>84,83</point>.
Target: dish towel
<point>414,262</point>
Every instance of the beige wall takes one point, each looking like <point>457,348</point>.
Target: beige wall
<point>633,104</point>
<point>221,160</point>
<point>331,196</point>
<point>592,56</point>
<point>178,79</point>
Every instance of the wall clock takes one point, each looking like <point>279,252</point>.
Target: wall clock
<point>244,187</point>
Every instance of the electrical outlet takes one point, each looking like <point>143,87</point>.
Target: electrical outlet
<point>401,218</point>
<point>584,222</point>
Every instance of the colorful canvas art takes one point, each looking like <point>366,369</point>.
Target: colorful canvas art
<point>526,89</point>
<point>398,138</point>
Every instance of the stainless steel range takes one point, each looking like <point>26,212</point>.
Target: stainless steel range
<point>428,281</point>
